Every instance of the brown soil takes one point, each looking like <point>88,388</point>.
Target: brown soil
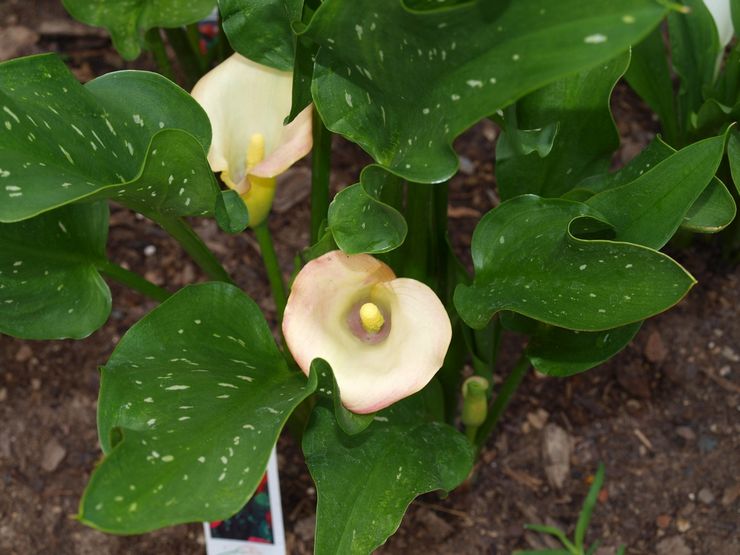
<point>662,415</point>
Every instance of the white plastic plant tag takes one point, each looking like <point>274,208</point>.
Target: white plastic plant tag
<point>255,530</point>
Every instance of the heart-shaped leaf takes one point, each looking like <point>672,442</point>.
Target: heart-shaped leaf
<point>585,141</point>
<point>132,136</point>
<point>360,223</point>
<point>191,403</point>
<point>649,210</point>
<point>128,20</point>
<point>261,29</point>
<point>527,260</point>
<point>50,287</point>
<point>403,84</point>
<point>366,481</point>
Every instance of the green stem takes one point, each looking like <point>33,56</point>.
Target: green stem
<point>510,385</point>
<point>195,247</point>
<point>133,280</point>
<point>274,275</point>
<point>420,220</point>
<point>189,60</point>
<point>320,172</point>
<point>471,432</point>
<point>156,45</point>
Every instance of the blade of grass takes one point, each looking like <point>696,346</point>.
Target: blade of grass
<point>588,507</point>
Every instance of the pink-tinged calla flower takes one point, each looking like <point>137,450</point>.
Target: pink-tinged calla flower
<point>384,337</point>
<point>247,104</point>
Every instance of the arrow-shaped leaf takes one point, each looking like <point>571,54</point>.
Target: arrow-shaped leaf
<point>191,403</point>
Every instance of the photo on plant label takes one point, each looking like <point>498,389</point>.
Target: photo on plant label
<point>257,528</point>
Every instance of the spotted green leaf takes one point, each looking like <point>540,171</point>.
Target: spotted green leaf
<point>191,403</point>
<point>128,20</point>
<point>403,84</point>
<point>132,136</point>
<point>649,210</point>
<point>261,29</point>
<point>50,287</point>
<point>360,222</point>
<point>366,481</point>
<point>528,261</point>
<point>586,138</point>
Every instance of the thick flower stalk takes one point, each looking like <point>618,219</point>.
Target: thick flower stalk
<point>247,104</point>
<point>384,337</point>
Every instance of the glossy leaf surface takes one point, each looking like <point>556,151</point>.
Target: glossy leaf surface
<point>132,136</point>
<point>559,352</point>
<point>360,222</point>
<point>404,84</point>
<point>527,260</point>
<point>381,470</point>
<point>49,285</point>
<point>191,403</point>
<point>261,29</point>
<point>649,210</point>
<point>586,138</point>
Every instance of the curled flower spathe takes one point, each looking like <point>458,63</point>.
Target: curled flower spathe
<point>384,337</point>
<point>721,12</point>
<point>247,104</point>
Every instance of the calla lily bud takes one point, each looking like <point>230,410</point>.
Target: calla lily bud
<point>247,104</point>
<point>475,401</point>
<point>384,337</point>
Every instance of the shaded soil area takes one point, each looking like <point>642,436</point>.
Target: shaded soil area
<point>663,415</point>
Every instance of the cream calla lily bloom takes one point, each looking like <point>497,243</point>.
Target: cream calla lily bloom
<point>384,337</point>
<point>247,104</point>
<point>722,14</point>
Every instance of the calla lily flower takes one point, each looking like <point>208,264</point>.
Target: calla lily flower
<point>247,104</point>
<point>722,14</point>
<point>384,337</point>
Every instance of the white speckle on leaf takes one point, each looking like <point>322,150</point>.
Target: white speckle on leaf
<point>177,387</point>
<point>596,38</point>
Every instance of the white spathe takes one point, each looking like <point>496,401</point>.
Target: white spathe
<point>242,99</point>
<point>722,14</point>
<point>370,375</point>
